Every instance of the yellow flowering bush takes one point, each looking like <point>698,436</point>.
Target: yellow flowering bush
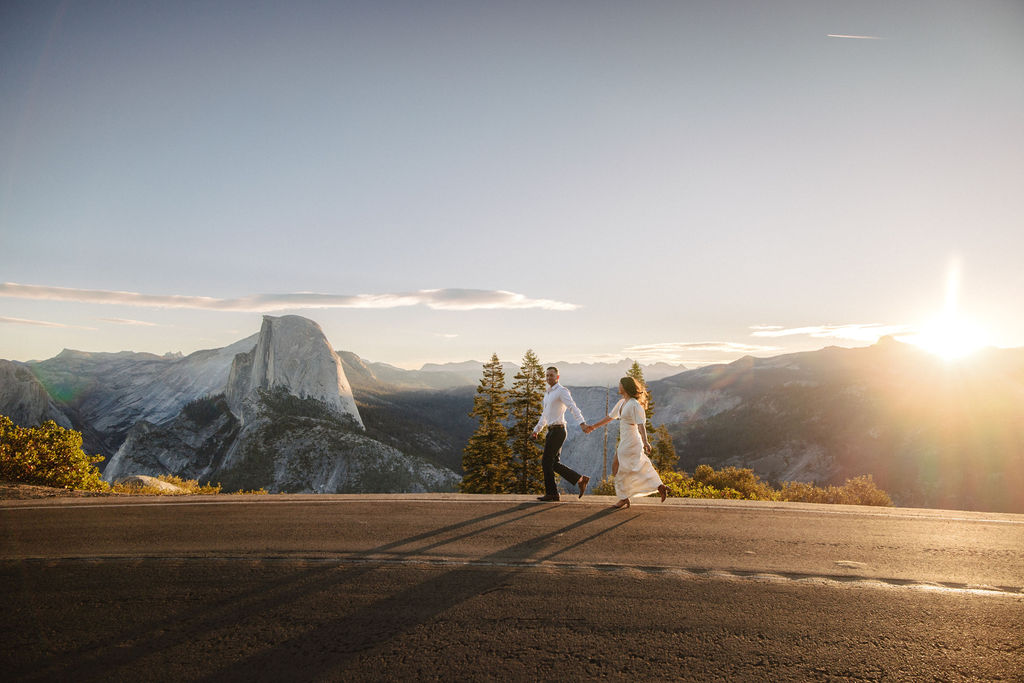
<point>47,455</point>
<point>742,484</point>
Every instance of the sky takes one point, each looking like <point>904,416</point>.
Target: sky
<point>688,182</point>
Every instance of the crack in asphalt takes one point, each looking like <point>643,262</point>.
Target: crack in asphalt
<point>640,571</point>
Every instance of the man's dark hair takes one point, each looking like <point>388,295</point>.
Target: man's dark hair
<point>552,367</point>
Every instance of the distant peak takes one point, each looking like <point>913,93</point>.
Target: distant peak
<point>289,320</point>
<point>291,353</point>
<point>890,341</point>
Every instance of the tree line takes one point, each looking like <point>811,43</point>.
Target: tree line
<point>500,456</point>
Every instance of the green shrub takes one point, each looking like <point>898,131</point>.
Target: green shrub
<point>47,455</point>
<point>863,491</point>
<point>187,486</point>
<point>679,486</point>
<point>190,485</point>
<point>741,480</point>
<point>857,491</point>
<point>802,492</point>
<point>742,484</point>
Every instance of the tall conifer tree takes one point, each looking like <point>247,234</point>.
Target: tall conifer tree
<point>637,373</point>
<point>487,458</point>
<point>525,403</point>
<point>663,453</point>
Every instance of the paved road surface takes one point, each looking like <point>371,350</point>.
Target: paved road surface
<point>494,588</point>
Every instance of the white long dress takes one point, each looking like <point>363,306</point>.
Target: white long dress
<point>636,475</point>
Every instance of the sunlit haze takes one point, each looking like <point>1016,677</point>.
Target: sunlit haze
<point>950,335</point>
<point>688,182</point>
<point>950,338</point>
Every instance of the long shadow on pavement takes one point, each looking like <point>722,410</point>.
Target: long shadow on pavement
<point>338,641</point>
<point>183,629</point>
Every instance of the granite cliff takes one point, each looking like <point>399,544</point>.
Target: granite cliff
<point>285,419</point>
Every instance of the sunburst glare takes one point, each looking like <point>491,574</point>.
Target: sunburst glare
<point>950,335</point>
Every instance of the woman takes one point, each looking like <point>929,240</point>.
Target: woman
<point>633,471</point>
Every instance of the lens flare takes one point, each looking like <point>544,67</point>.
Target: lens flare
<point>949,335</point>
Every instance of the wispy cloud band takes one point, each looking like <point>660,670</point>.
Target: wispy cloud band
<point>682,352</point>
<point>439,299</point>
<point>133,323</point>
<point>851,332</point>
<point>40,323</point>
<point>713,346</point>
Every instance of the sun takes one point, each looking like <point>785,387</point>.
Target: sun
<point>950,338</point>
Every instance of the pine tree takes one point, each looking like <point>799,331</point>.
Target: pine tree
<point>487,458</point>
<point>525,403</point>
<point>637,373</point>
<point>663,453</point>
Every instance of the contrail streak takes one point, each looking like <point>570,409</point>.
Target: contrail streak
<point>840,35</point>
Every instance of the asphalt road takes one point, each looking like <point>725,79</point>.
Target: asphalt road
<point>501,587</point>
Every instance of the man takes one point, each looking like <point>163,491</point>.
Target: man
<point>556,400</point>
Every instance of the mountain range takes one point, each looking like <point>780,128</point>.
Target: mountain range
<point>278,409</point>
<point>282,410</point>
<point>274,410</point>
<point>572,374</point>
<point>932,433</point>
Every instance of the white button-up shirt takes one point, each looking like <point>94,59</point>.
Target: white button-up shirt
<point>556,400</point>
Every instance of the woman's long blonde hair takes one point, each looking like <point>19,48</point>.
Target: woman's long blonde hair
<point>634,389</point>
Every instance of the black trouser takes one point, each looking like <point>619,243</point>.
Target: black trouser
<point>552,447</point>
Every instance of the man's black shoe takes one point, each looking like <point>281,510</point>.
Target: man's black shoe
<point>548,499</point>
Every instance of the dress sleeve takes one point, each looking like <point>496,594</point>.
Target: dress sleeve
<point>634,413</point>
<point>616,410</point>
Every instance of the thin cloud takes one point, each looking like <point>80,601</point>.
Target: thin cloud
<point>438,299</point>
<point>841,35</point>
<point>715,346</point>
<point>124,321</point>
<point>852,332</point>
<point>472,299</point>
<point>681,352</point>
<point>41,323</point>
